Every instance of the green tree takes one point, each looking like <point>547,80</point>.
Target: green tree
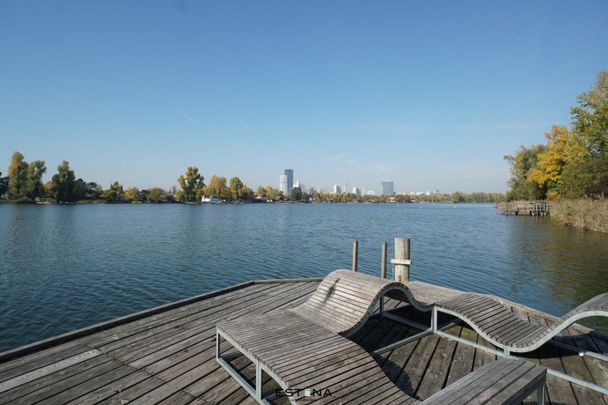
<point>143,195</point>
<point>272,193</point>
<point>458,197</point>
<point>190,182</point>
<point>590,120</point>
<point>585,179</point>
<point>296,194</point>
<point>34,188</point>
<point>3,185</point>
<point>246,193</point>
<point>156,195</point>
<point>80,190</point>
<point>261,191</point>
<point>115,193</point>
<point>132,194</point>
<point>17,177</point>
<point>590,116</point>
<point>63,183</point>
<point>94,191</point>
<point>217,188</point>
<point>236,187</point>
<point>522,188</point>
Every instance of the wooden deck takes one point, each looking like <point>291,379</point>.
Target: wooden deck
<point>167,355</point>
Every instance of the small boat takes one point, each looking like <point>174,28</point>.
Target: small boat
<point>211,200</point>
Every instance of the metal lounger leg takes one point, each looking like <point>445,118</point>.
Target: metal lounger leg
<point>217,344</point>
<point>255,392</point>
<point>540,398</point>
<point>258,381</point>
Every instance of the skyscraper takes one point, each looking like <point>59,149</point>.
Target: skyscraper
<point>289,174</point>
<point>283,183</point>
<point>337,189</point>
<point>388,188</point>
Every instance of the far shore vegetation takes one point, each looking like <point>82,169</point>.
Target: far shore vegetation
<point>571,169</point>
<point>24,185</point>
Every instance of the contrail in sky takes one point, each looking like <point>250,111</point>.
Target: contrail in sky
<point>183,114</point>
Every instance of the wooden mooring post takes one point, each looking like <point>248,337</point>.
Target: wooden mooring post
<point>383,259</point>
<point>401,263</point>
<point>355,254</point>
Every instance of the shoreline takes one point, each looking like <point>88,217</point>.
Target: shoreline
<point>583,214</point>
<point>103,202</point>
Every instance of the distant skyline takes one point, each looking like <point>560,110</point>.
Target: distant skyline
<point>429,95</point>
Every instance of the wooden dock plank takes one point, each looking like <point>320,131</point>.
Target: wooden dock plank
<point>12,395</point>
<point>464,355</point>
<point>149,349</point>
<point>437,368</point>
<point>112,388</point>
<point>133,392</point>
<point>205,323</point>
<point>29,376</point>
<point>169,357</point>
<point>26,364</point>
<point>532,357</point>
<point>134,334</point>
<point>419,360</point>
<point>203,363</point>
<point>575,365</point>
<point>70,384</point>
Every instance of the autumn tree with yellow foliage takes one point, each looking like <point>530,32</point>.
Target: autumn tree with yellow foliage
<point>574,163</point>
<point>564,148</point>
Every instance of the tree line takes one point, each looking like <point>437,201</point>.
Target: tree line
<point>574,162</point>
<point>24,184</point>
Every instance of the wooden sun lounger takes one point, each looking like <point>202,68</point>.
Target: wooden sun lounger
<point>496,323</point>
<point>304,350</point>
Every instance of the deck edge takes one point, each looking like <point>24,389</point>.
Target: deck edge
<point>89,330</point>
<point>288,280</point>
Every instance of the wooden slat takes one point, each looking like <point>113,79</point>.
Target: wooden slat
<point>166,349</point>
<point>56,378</point>
<point>69,384</point>
<point>437,369</point>
<point>419,360</point>
<point>34,361</point>
<point>46,370</point>
<point>204,361</point>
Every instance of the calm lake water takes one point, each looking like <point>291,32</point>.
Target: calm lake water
<point>65,267</point>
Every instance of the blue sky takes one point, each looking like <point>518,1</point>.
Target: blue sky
<point>428,94</point>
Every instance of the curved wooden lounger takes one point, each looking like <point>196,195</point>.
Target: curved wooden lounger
<point>496,323</point>
<point>345,300</point>
<point>305,348</point>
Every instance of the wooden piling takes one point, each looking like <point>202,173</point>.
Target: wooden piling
<point>402,260</point>
<point>355,254</point>
<point>383,260</point>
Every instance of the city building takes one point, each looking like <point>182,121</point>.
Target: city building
<point>388,188</point>
<point>337,189</point>
<point>370,192</point>
<point>289,174</point>
<point>283,183</point>
<point>357,191</point>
